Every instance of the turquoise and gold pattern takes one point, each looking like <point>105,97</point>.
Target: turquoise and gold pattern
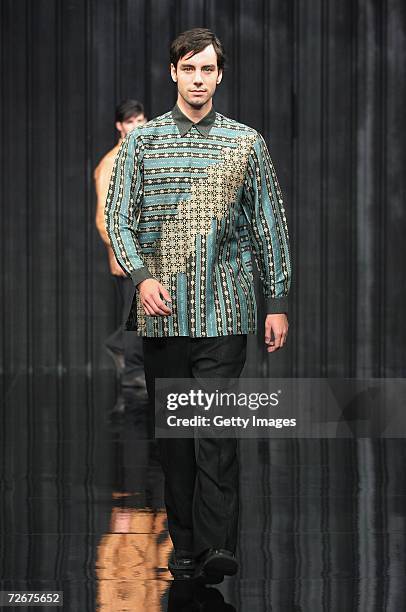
<point>187,207</point>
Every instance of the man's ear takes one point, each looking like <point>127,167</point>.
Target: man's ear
<point>220,76</point>
<point>119,126</point>
<point>173,74</point>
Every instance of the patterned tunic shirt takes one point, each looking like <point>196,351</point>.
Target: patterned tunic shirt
<point>187,204</point>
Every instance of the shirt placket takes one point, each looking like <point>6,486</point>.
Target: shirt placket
<point>192,225</point>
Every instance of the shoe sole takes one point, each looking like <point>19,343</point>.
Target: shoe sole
<point>215,569</point>
<point>219,564</point>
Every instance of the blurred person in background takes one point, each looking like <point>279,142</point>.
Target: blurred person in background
<point>124,347</point>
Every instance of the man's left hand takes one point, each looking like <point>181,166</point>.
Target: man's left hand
<point>276,331</point>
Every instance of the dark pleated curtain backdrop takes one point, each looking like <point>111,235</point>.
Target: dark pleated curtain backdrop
<point>323,80</point>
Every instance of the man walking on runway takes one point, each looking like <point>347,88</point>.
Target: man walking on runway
<point>192,193</point>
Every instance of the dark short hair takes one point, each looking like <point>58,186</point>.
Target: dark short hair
<point>196,40</point>
<point>128,108</point>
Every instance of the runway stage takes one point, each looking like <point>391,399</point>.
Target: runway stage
<point>322,522</point>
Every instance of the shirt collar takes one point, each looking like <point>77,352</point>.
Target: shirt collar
<point>184,123</point>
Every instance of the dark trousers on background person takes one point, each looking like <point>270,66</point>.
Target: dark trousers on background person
<point>126,342</point>
<point>201,475</point>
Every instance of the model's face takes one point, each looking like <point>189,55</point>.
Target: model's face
<point>197,76</point>
<point>124,127</point>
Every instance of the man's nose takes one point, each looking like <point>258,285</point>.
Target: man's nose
<point>198,77</point>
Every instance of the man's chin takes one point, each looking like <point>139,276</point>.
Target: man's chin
<point>197,103</point>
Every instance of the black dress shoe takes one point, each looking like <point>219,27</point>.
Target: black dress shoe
<point>182,565</point>
<point>214,564</point>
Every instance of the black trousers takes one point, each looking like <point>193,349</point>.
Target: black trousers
<point>124,341</point>
<point>201,475</point>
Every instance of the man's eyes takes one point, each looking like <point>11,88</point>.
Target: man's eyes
<point>206,69</point>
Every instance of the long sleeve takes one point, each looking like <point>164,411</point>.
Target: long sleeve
<point>263,207</point>
<point>123,207</point>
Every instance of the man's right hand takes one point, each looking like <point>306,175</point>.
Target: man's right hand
<point>150,291</point>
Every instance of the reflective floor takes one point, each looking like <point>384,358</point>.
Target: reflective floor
<point>322,522</point>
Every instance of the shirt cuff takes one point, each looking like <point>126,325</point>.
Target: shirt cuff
<point>276,305</point>
<point>141,274</point>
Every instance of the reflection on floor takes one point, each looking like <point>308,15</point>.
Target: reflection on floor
<point>322,522</point>
<point>132,560</point>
